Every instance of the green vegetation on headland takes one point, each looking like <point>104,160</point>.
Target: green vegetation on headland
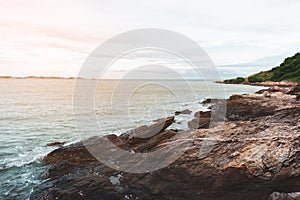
<point>289,70</point>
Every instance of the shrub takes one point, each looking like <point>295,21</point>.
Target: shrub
<point>240,79</point>
<point>255,78</point>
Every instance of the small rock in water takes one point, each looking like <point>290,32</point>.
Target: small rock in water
<point>60,144</point>
<point>184,112</point>
<point>206,101</point>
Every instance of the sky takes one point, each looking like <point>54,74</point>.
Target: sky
<point>54,38</point>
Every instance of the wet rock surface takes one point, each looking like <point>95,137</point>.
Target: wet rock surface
<point>59,144</point>
<point>265,83</point>
<point>255,154</point>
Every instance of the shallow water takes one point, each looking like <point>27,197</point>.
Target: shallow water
<point>35,112</point>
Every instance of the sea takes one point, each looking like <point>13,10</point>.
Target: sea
<point>35,112</point>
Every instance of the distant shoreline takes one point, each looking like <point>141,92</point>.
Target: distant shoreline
<point>38,77</point>
<point>110,79</point>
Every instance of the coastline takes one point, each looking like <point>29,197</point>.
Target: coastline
<point>38,77</point>
<point>265,83</point>
<point>252,158</point>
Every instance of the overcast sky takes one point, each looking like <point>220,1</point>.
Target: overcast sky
<point>53,38</point>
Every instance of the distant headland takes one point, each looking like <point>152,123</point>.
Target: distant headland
<point>287,72</point>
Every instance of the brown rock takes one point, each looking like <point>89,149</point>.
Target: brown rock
<point>201,120</point>
<point>197,123</point>
<point>255,156</point>
<point>296,91</point>
<point>274,89</point>
<point>205,114</point>
<point>60,144</point>
<point>206,101</point>
<point>143,133</point>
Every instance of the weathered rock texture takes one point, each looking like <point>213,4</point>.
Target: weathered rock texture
<point>295,91</point>
<point>255,156</point>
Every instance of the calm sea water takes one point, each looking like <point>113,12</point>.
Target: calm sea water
<point>35,112</point>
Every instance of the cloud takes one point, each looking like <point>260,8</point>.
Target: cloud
<point>57,36</point>
<point>248,68</point>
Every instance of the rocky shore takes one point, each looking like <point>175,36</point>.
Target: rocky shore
<point>253,153</point>
<point>264,83</point>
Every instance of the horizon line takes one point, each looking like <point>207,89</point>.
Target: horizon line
<point>73,78</point>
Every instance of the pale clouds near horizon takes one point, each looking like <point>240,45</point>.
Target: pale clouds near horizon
<point>49,37</point>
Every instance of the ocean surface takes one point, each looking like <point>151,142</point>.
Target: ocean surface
<point>35,112</point>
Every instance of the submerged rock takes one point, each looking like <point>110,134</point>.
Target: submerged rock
<point>183,112</point>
